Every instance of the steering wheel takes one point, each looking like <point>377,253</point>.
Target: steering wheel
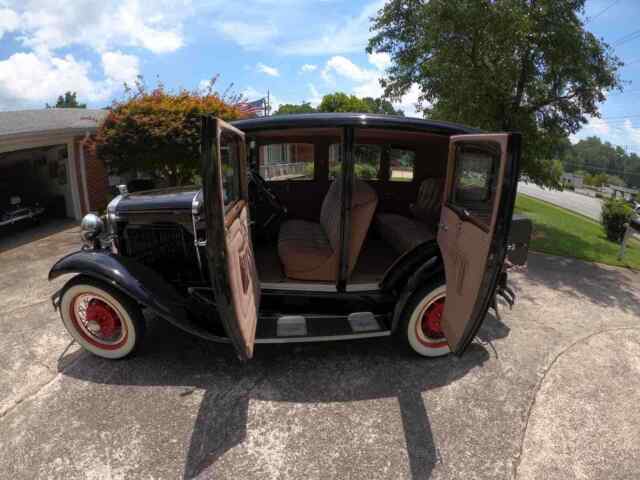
<point>263,195</point>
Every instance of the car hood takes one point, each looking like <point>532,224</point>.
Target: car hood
<point>154,200</point>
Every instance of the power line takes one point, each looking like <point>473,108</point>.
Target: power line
<point>602,11</point>
<point>627,38</point>
<point>621,117</point>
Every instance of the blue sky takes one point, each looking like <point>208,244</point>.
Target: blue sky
<point>299,50</point>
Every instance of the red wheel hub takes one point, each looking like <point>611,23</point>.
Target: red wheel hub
<point>102,320</point>
<point>431,320</point>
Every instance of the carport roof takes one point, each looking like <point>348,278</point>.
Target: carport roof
<point>50,120</point>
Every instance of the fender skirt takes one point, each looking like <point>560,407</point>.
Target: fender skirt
<point>136,281</point>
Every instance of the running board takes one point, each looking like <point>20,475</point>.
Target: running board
<point>321,328</point>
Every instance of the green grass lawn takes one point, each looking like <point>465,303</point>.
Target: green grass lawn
<point>560,232</point>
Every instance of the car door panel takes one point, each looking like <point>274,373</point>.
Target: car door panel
<point>229,250</point>
<point>473,200</point>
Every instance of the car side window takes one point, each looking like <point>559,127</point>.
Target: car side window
<point>475,179</point>
<point>401,164</point>
<point>229,159</point>
<point>367,161</point>
<point>286,161</point>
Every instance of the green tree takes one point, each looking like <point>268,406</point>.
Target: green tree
<point>158,132</point>
<point>68,100</point>
<point>526,65</point>
<point>341,102</point>
<point>289,108</point>
<point>380,105</point>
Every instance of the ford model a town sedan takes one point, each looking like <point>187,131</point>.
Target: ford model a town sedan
<point>308,228</point>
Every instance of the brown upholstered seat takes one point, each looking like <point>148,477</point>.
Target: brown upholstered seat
<point>311,251</point>
<point>404,233</point>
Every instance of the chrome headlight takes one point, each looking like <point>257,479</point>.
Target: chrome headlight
<point>91,228</point>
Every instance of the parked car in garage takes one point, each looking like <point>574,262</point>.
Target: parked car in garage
<point>362,226</point>
<point>17,213</point>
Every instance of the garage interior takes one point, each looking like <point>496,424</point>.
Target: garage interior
<point>39,176</point>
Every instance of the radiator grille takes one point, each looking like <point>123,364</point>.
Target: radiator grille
<point>152,243</point>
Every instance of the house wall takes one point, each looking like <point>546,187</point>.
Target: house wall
<point>93,178</point>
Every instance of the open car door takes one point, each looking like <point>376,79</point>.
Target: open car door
<point>478,202</point>
<point>230,256</point>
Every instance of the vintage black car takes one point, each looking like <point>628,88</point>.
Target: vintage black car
<point>308,228</point>
<point>18,213</point>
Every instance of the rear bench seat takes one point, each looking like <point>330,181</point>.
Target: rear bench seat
<point>404,233</point>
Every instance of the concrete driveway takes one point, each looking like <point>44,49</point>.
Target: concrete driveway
<point>550,391</point>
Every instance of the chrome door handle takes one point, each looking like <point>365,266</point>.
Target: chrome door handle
<point>443,227</point>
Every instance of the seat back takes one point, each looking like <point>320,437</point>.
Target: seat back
<point>364,201</point>
<point>429,201</point>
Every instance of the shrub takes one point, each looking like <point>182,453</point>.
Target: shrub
<point>615,213</point>
<point>158,132</point>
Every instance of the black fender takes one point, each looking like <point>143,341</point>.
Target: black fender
<point>420,268</point>
<point>399,273</point>
<point>135,280</point>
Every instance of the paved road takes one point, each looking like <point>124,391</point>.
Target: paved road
<point>588,206</point>
<point>549,391</point>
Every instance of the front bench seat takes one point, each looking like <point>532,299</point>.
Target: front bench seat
<point>404,233</point>
<point>311,251</point>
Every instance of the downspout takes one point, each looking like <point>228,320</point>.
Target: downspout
<point>83,170</point>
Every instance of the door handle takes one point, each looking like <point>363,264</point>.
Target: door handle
<point>443,227</point>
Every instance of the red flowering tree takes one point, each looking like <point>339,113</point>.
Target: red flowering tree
<point>158,132</point>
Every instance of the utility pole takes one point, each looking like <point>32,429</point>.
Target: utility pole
<point>267,106</point>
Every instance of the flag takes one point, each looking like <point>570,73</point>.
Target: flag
<point>253,108</point>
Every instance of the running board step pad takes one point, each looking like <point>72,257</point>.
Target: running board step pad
<point>291,326</point>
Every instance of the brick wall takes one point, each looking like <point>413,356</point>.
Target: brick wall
<point>97,180</point>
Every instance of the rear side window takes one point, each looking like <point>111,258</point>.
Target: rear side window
<point>475,179</point>
<point>401,165</point>
<point>287,161</point>
<point>366,165</point>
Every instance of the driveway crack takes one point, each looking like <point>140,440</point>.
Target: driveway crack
<point>7,410</point>
<point>518,457</point>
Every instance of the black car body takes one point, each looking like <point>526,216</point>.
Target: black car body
<point>362,226</point>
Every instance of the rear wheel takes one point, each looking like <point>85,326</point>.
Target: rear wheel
<point>102,320</point>
<point>421,326</point>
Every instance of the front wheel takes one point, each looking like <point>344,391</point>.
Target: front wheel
<point>421,326</point>
<point>101,319</point>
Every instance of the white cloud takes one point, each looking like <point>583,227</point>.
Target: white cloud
<point>155,25</point>
<point>267,70</point>
<point>247,35</point>
<point>366,81</point>
<point>316,98</point>
<point>351,35</point>
<point>409,101</point>
<point>347,69</point>
<point>120,68</point>
<point>27,78</point>
<point>33,79</point>
<point>380,60</point>
<point>613,131</point>
<point>307,67</point>
<point>9,21</point>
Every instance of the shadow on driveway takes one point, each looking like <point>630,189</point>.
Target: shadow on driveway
<point>608,287</point>
<point>304,373</point>
<point>21,234</point>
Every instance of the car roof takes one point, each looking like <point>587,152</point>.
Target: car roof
<point>315,120</point>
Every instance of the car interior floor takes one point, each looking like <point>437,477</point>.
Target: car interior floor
<point>375,258</point>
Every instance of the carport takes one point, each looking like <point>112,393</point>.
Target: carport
<point>44,160</point>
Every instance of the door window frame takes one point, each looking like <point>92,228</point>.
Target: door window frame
<point>462,213</point>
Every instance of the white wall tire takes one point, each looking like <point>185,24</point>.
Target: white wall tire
<point>102,320</point>
<point>424,335</point>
